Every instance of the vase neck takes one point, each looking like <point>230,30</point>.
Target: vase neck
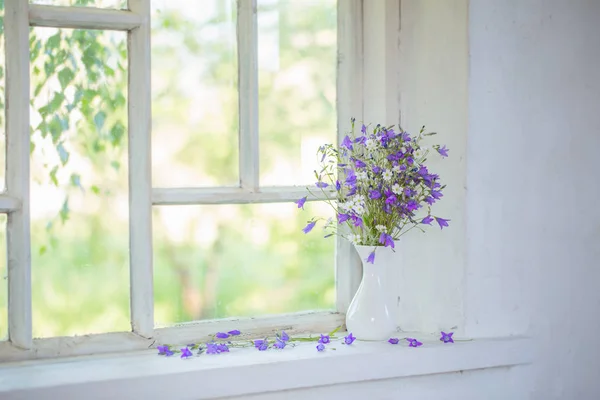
<point>380,253</point>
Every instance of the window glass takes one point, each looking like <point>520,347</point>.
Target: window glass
<point>2,133</point>
<point>3,281</point>
<point>219,261</point>
<point>297,60</point>
<point>194,93</point>
<point>79,188</point>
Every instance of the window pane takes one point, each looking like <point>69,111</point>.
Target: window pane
<point>297,79</point>
<point>90,3</point>
<point>3,281</point>
<point>194,93</point>
<point>79,194</point>
<point>2,133</point>
<point>223,261</point>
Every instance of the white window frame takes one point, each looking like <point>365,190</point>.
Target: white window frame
<point>15,201</point>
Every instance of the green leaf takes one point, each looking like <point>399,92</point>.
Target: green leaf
<point>76,180</point>
<point>65,76</point>
<point>55,127</point>
<point>64,211</point>
<point>99,120</point>
<point>53,41</point>
<point>62,153</point>
<point>43,250</point>
<point>95,189</point>
<point>115,164</point>
<point>53,176</point>
<point>116,133</point>
<point>56,102</point>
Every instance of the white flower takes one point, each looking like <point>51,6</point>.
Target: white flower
<point>371,144</point>
<point>387,175</point>
<point>362,175</point>
<point>381,228</point>
<point>359,209</point>
<point>418,154</point>
<point>397,189</point>
<point>396,169</point>
<point>403,149</point>
<point>354,239</point>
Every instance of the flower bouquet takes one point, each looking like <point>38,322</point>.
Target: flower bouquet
<point>380,188</point>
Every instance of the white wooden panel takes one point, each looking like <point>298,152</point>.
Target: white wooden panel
<point>348,268</point>
<point>140,179</point>
<point>16,29</point>
<point>186,333</point>
<point>9,203</point>
<point>224,195</point>
<point>247,34</point>
<point>83,17</point>
<point>274,374</point>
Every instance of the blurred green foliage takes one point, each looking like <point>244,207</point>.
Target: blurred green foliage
<point>209,261</point>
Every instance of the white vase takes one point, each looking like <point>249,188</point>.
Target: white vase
<point>368,317</point>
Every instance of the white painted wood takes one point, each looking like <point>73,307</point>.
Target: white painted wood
<point>349,105</point>
<point>302,322</point>
<point>9,203</point>
<point>83,18</point>
<point>243,372</point>
<point>140,179</point>
<point>185,333</point>
<point>16,29</point>
<point>57,347</point>
<point>247,41</point>
<point>232,195</point>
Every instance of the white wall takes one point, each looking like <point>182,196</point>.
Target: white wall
<point>513,87</point>
<point>533,220</point>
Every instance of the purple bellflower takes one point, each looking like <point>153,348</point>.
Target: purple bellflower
<point>443,151</point>
<point>442,222</point>
<point>393,340</point>
<point>371,258</point>
<point>324,339</point>
<point>212,348</point>
<point>279,344</point>
<point>261,345</point>
<point>347,143</point>
<point>374,194</point>
<point>338,185</point>
<point>413,342</point>
<point>343,217</point>
<point>427,220</point>
<point>386,240</point>
<point>320,347</point>
<point>359,164</point>
<point>447,337</point>
<point>284,336</point>
<point>321,184</point>
<point>162,350</point>
<point>301,202</point>
<point>222,348</point>
<point>185,353</point>
<point>222,335</point>
<point>309,227</point>
<point>234,332</point>
<point>349,339</point>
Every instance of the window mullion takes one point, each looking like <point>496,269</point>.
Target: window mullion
<point>349,105</point>
<point>140,179</point>
<point>247,42</point>
<point>16,25</point>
